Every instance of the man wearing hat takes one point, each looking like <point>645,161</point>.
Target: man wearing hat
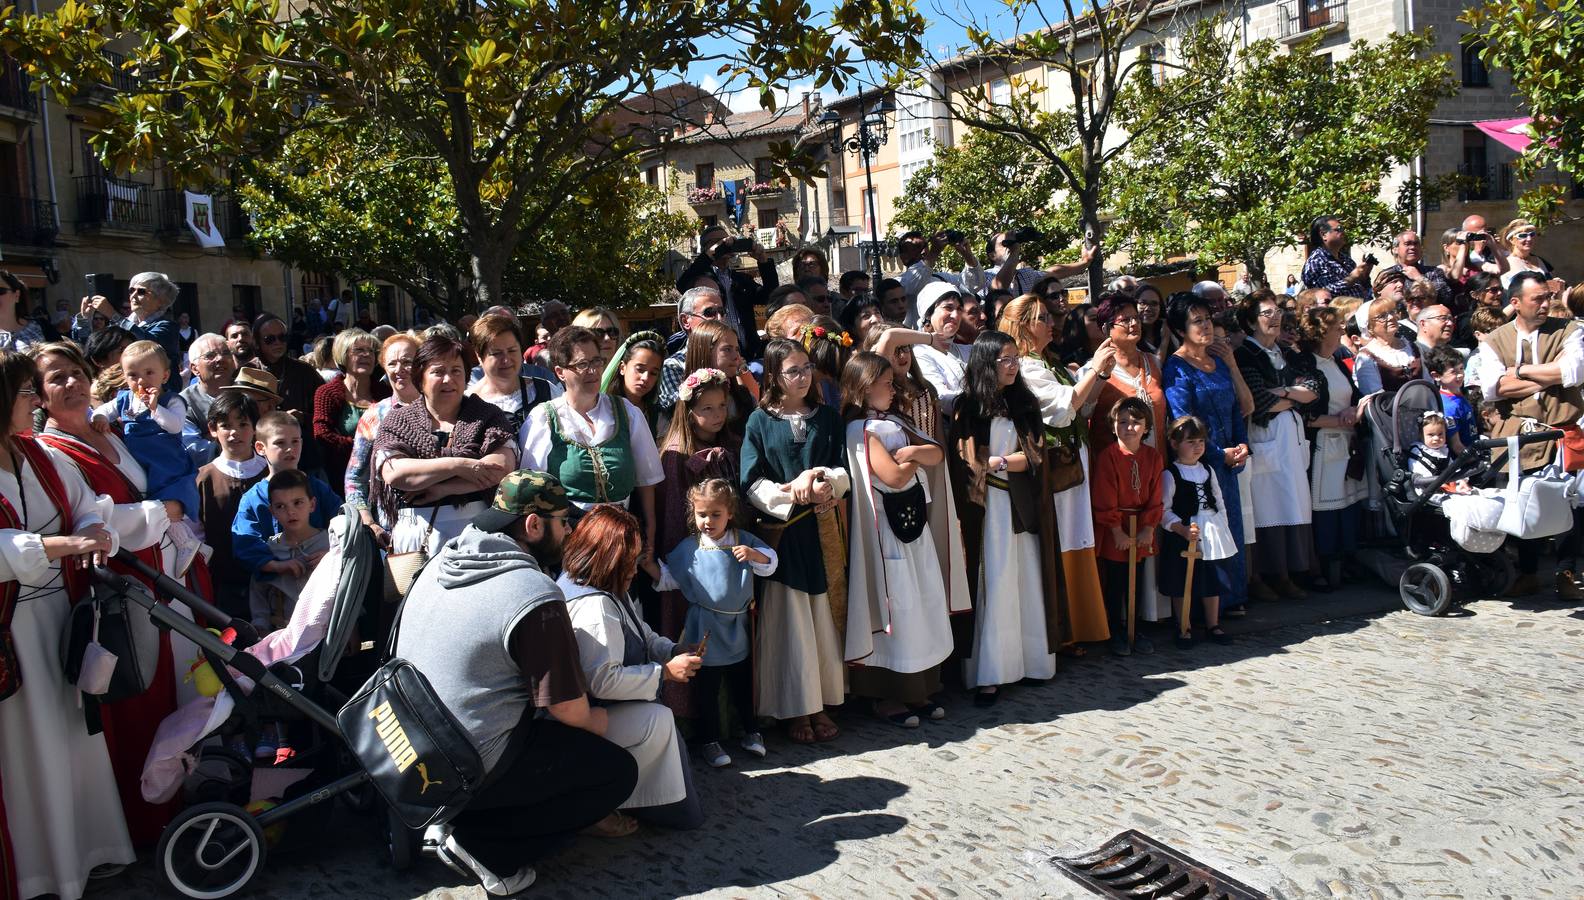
<point>489,629</point>
<point>942,362</point>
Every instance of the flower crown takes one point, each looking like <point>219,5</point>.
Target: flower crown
<point>812,333</point>
<point>699,380</point>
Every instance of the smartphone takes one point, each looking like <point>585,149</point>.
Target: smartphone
<point>742,245</point>
<point>703,645</point>
<point>101,284</point>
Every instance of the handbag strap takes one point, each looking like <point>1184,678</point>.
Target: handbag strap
<point>1513,467</point>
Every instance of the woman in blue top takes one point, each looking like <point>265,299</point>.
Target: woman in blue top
<point>1200,380</point>
<point>149,295</point>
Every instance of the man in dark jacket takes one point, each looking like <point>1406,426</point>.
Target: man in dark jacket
<point>740,291</point>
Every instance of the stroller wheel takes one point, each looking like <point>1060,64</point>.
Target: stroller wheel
<point>1425,589</point>
<point>402,842</point>
<point>211,850</point>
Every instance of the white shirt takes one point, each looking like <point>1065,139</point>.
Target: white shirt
<point>946,371</point>
<point>1490,368</point>
<point>595,428</point>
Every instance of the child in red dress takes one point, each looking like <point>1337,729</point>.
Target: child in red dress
<point>1124,486</point>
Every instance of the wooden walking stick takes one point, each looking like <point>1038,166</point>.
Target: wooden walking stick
<point>1132,572</point>
<point>1191,554</point>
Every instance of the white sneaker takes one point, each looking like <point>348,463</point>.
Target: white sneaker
<point>459,860</point>
<point>753,742</point>
<point>186,544</point>
<point>715,755</point>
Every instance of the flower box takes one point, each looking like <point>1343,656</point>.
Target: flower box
<point>699,196</point>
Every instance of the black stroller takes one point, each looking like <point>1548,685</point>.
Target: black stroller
<point>216,846</point>
<point>1440,571</point>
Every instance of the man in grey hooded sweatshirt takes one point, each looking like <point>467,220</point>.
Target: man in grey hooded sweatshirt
<point>490,631</point>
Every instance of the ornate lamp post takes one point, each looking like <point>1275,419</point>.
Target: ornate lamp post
<point>873,129</point>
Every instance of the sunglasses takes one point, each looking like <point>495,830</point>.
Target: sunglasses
<point>272,339</point>
<point>710,312</point>
<point>607,333</point>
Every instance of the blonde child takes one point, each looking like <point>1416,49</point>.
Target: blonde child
<point>714,568</point>
<point>1193,510</point>
<point>149,420</point>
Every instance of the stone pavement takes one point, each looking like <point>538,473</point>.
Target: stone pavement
<point>1341,748</point>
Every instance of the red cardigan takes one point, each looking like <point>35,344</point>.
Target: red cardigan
<point>329,402</point>
<point>1113,498</point>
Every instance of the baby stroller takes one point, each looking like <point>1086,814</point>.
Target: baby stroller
<point>216,846</point>
<point>1444,568</point>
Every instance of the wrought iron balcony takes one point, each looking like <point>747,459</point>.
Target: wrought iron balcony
<point>1301,17</point>
<point>1485,182</point>
<point>230,218</point>
<point>27,220</point>
<point>16,90</point>
<point>111,203</point>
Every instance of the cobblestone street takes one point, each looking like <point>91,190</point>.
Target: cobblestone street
<point>1377,754</point>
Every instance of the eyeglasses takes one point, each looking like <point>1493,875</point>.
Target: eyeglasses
<point>214,356</point>
<point>1126,321</point>
<point>1385,317</point>
<point>1270,313</point>
<point>609,334</point>
<point>272,339</point>
<point>1524,236</point>
<point>27,392</point>
<point>1433,318</point>
<point>361,351</point>
<point>1006,361</point>
<point>132,291</point>
<point>585,366</point>
<point>798,373</point>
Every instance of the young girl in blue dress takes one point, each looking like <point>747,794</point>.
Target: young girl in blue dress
<point>714,568</point>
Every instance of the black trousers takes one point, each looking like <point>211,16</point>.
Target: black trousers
<point>738,678</point>
<point>552,782</point>
<point>1114,587</point>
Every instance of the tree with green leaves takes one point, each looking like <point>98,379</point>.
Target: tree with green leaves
<point>1093,50</point>
<point>518,102</point>
<point>1541,45</point>
<point>1289,136</point>
<point>987,183</point>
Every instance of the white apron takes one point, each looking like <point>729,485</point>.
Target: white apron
<point>1329,486</point>
<point>1279,464</point>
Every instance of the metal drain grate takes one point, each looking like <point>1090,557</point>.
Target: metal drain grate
<point>1138,867</point>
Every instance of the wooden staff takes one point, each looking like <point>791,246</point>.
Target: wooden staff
<point>1132,572</point>
<point>1191,554</point>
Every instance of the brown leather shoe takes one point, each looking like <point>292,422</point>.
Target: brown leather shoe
<point>1568,587</point>
<point>1290,590</point>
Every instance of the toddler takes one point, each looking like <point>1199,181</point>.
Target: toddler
<point>714,568</point>
<point>1428,458</point>
<point>1194,510</point>
<point>149,420</point>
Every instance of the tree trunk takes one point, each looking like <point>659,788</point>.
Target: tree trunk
<point>1089,201</point>
<point>488,268</point>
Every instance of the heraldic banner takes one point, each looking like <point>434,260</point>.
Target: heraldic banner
<point>201,219</point>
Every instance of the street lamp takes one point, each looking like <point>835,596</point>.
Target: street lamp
<point>866,141</point>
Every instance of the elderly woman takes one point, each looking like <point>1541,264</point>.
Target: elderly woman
<point>626,664</point>
<point>1388,360</point>
<point>59,805</point>
<point>599,446</point>
<point>939,312</point>
<point>1201,379</point>
<point>439,460</point>
<point>102,460</point>
<point>1330,424</point>
<point>397,355</point>
<point>150,295</point>
<point>605,325</point>
<point>498,341</point>
<point>1030,322</point>
<point>16,333</point>
<point>341,401</point>
<point>1279,461</point>
<point>1128,371</point>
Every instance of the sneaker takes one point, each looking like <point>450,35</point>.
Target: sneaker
<point>931,710</point>
<point>266,748</point>
<point>186,545</point>
<point>715,755</point>
<point>462,863</point>
<point>753,742</point>
<point>238,745</point>
<point>284,753</point>
<point>1142,644</point>
<point>1119,647</point>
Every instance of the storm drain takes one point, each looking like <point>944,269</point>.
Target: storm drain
<point>1138,867</point>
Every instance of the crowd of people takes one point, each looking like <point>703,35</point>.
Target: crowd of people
<point>614,546</point>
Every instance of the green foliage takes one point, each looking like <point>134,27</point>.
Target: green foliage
<point>1541,45</point>
<point>1287,137</point>
<point>988,183</point>
<point>516,101</point>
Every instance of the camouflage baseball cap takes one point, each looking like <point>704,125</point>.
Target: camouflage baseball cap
<point>521,493</point>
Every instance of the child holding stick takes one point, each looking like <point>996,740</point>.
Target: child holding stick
<point>1125,495</point>
<point>1195,524</point>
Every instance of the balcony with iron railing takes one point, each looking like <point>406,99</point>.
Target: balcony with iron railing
<point>17,97</point>
<point>27,220</point>
<point>114,204</point>
<point>1485,183</point>
<point>1301,18</point>
<point>230,218</point>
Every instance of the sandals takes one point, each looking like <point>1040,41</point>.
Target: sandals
<point>615,825</point>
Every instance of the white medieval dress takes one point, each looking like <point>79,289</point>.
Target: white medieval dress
<point>623,660</point>
<point>1009,642</point>
<point>60,796</point>
<point>899,596</point>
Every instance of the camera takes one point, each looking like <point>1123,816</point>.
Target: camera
<point>953,236</point>
<point>1024,236</point>
<point>742,245</point>
<point>1370,259</point>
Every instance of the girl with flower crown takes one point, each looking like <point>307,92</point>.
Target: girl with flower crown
<point>794,475</point>
<point>700,444</point>
<point>827,346</point>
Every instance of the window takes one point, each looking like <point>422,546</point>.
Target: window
<point>1476,166</point>
<point>704,175</point>
<point>1314,14</point>
<point>764,169</point>
<point>711,221</point>
<point>1155,60</point>
<point>769,217</point>
<point>1474,72</point>
<point>1000,92</point>
<point>652,176</point>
